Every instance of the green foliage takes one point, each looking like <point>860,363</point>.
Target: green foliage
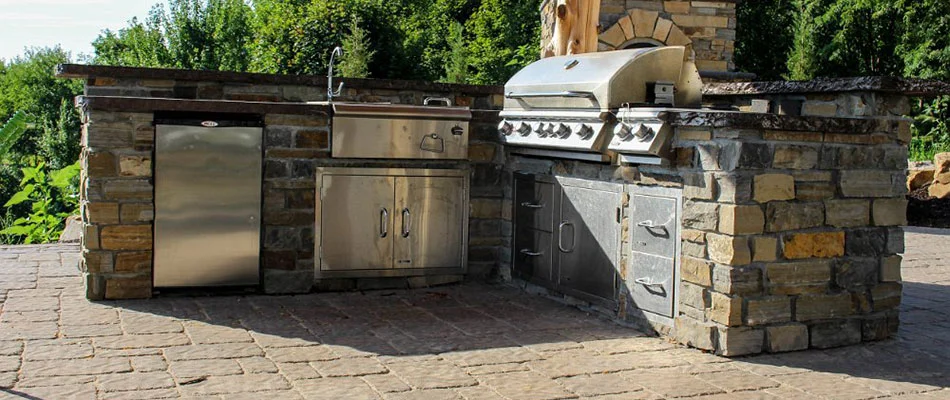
<point>11,131</point>
<point>504,36</point>
<point>51,197</point>
<point>357,52</point>
<point>457,64</point>
<point>139,44</point>
<point>764,37</point>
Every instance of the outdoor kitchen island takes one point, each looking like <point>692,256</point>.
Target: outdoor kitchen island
<point>781,232</point>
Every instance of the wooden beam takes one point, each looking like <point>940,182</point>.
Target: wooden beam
<point>575,29</point>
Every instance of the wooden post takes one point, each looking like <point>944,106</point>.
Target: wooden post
<point>575,29</point>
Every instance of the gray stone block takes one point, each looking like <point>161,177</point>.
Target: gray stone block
<point>837,333</point>
<point>866,243</point>
<point>740,341</point>
<point>287,282</point>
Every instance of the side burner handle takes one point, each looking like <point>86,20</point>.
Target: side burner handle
<point>568,93</point>
<point>429,100</point>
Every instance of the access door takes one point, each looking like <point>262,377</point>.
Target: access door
<point>429,211</point>
<point>357,218</point>
<point>587,239</point>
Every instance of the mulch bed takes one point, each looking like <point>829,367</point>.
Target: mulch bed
<point>923,210</point>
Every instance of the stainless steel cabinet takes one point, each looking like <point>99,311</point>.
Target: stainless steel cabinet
<point>567,235</point>
<point>390,222</point>
<point>654,226</point>
<point>207,201</point>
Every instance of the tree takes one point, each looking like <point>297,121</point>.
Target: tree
<point>457,64</point>
<point>764,37</point>
<point>357,52</point>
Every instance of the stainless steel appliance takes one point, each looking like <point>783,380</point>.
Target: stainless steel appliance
<point>588,106</point>
<point>207,200</point>
<point>381,222</point>
<point>655,243</point>
<point>567,235</point>
<point>387,131</point>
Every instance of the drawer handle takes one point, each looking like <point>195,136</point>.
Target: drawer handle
<point>532,205</point>
<point>406,222</point>
<point>383,223</point>
<point>530,253</point>
<point>649,224</point>
<point>648,283</point>
<point>560,237</point>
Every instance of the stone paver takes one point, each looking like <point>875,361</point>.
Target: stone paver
<point>460,342</point>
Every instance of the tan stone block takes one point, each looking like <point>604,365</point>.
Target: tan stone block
<point>101,212</point>
<point>891,269</point>
<point>764,248</point>
<point>741,220</point>
<point>788,216</point>
<point>773,187</point>
<point>886,296</point>
<point>695,236</point>
<point>918,178</point>
<point>696,271</point>
<point>814,245</point>
<point>712,65</point>
<point>789,337</point>
<point>662,30</point>
<point>768,310</point>
<point>790,136</point>
<point>799,272</point>
<point>820,109</point>
<point>644,22</point>
<point>613,36</point>
<point>677,38</point>
<point>743,280</point>
<point>676,7</point>
<point>740,341</point>
<point>98,262</point>
<point>693,333</point>
<point>815,191</point>
<point>126,237</point>
<point>692,295</point>
<point>795,157</point>
<point>135,166</point>
<point>486,208</point>
<point>90,237</point>
<point>729,250</point>
<point>703,21</point>
<point>847,213</point>
<point>939,191</point>
<point>99,164</point>
<point>725,310</point>
<point>129,288</point>
<point>140,261</point>
<point>870,183</point>
<point>137,212</point>
<point>715,4</point>
<point>796,290</point>
<point>890,212</point>
<point>825,306</point>
<point>693,134</point>
<point>627,27</point>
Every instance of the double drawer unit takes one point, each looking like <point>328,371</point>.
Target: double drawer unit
<point>652,280</point>
<point>567,235</point>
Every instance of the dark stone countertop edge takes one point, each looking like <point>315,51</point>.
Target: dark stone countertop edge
<point>755,121</point>
<point>909,87</point>
<point>101,71</point>
<point>151,104</point>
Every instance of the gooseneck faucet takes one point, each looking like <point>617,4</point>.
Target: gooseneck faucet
<point>338,51</point>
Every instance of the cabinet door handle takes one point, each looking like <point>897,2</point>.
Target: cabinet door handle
<point>528,204</point>
<point>383,223</point>
<point>530,253</point>
<point>648,283</point>
<point>560,237</point>
<point>406,222</point>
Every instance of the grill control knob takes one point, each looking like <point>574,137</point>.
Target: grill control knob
<point>642,132</point>
<point>505,128</point>
<point>623,131</point>
<point>539,129</point>
<point>547,130</point>
<point>524,129</point>
<point>562,131</point>
<point>584,131</point>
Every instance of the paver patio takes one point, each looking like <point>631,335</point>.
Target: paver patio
<point>472,341</point>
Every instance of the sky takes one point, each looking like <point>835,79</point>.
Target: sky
<point>73,24</point>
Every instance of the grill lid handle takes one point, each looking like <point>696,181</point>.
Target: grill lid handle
<point>569,93</point>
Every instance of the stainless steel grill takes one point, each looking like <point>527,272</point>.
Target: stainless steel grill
<point>592,106</point>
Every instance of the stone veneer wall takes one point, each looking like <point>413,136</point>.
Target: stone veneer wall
<point>709,27</point>
<point>791,228</point>
<point>117,151</point>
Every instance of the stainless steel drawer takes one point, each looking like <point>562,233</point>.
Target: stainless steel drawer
<point>653,222</point>
<point>534,203</point>
<point>533,256</point>
<point>652,284</point>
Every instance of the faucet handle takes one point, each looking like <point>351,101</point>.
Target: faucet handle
<point>339,90</point>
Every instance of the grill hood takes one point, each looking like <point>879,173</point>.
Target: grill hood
<point>604,80</point>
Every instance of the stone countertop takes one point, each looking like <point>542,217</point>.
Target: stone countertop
<point>745,120</point>
<point>101,71</point>
<point>909,87</point>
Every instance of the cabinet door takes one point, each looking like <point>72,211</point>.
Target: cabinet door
<point>533,256</point>
<point>534,203</point>
<point>429,214</point>
<point>654,225</point>
<point>588,240</point>
<point>357,219</point>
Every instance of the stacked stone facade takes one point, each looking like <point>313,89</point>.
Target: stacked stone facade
<point>117,186</point>
<point>707,27</point>
<point>791,229</point>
